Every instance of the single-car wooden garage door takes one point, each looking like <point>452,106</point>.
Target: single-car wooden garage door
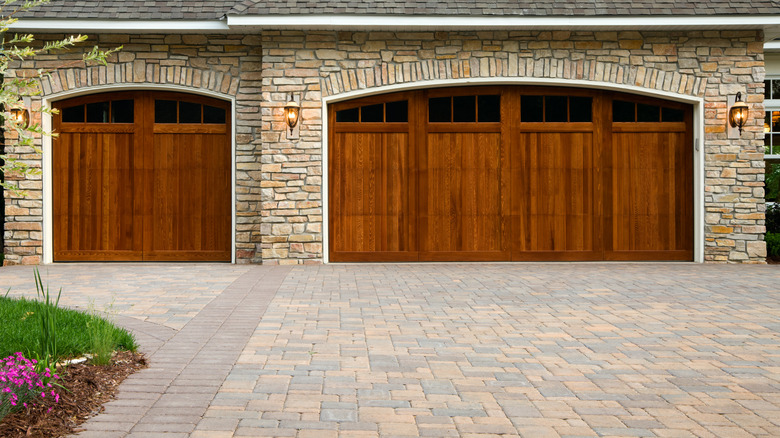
<point>142,176</point>
<point>510,173</point>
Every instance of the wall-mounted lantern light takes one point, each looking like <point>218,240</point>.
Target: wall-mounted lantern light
<point>738,114</point>
<point>292,112</point>
<point>21,114</point>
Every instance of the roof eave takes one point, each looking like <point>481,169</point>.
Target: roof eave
<point>770,24</point>
<point>442,22</point>
<point>117,26</point>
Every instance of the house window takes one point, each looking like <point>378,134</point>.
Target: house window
<point>115,111</point>
<point>772,118</point>
<point>556,109</point>
<point>173,111</point>
<point>388,112</point>
<point>625,111</point>
<point>772,133</point>
<point>465,109</point>
<point>772,89</point>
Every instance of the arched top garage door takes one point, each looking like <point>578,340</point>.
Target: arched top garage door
<point>142,175</point>
<point>510,173</point>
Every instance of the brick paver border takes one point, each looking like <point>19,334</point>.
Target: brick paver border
<point>189,366</point>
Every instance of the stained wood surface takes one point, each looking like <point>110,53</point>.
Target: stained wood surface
<point>141,191</point>
<point>460,201</point>
<point>552,198</point>
<point>370,194</point>
<point>423,191</point>
<point>652,203</point>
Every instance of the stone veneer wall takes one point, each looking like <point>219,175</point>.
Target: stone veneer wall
<point>279,198</point>
<point>226,64</point>
<point>708,64</point>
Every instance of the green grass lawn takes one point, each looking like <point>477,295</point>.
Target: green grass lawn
<point>20,329</point>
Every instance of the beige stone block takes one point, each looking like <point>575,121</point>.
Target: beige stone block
<point>586,45</point>
<point>281,229</point>
<point>30,226</point>
<point>301,238</point>
<point>753,229</point>
<point>11,210</point>
<point>631,44</point>
<point>194,39</point>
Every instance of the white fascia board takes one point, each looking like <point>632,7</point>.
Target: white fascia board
<point>470,22</point>
<point>114,26</point>
<point>772,46</point>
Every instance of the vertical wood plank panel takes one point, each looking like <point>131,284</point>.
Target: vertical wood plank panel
<point>120,194</point>
<point>368,189</point>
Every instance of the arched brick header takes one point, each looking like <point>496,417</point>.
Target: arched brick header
<point>139,72</point>
<point>513,67</point>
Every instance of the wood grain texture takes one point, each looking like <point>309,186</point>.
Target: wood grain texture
<point>650,210</point>
<point>552,202</point>
<point>461,183</point>
<point>124,193</point>
<point>370,192</point>
<point>510,191</point>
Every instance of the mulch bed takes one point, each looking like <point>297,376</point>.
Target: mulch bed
<point>88,387</point>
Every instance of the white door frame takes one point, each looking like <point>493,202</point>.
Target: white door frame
<point>46,145</point>
<point>698,134</point>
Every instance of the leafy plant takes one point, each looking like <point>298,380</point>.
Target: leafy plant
<point>772,182</point>
<point>47,317</point>
<point>772,244</point>
<point>21,384</point>
<point>773,218</point>
<point>20,330</point>
<point>15,88</point>
<point>101,336</point>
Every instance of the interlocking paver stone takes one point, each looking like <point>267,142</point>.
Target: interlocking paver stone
<point>536,350</point>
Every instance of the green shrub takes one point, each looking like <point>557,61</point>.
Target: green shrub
<point>20,330</point>
<point>773,218</point>
<point>772,182</point>
<point>46,351</point>
<point>101,336</point>
<point>773,244</point>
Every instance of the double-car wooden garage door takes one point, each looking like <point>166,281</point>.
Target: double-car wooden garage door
<point>510,173</point>
<point>142,176</point>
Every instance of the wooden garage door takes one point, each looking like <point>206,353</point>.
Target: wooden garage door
<point>510,173</point>
<point>142,176</point>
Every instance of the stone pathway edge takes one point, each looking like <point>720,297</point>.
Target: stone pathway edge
<point>187,367</point>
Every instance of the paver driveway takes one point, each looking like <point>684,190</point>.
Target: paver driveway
<point>531,350</point>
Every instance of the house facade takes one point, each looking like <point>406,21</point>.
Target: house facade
<point>448,132</point>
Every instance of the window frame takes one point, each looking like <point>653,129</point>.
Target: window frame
<point>771,105</point>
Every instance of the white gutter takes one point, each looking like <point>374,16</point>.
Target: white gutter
<point>117,26</point>
<point>766,22</point>
<point>470,22</point>
<point>772,46</point>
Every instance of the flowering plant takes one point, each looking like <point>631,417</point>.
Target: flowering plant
<point>21,385</point>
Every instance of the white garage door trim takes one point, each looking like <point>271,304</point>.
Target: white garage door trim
<point>46,143</point>
<point>698,135</point>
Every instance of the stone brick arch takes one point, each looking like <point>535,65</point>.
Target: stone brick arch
<point>139,73</point>
<point>386,74</point>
